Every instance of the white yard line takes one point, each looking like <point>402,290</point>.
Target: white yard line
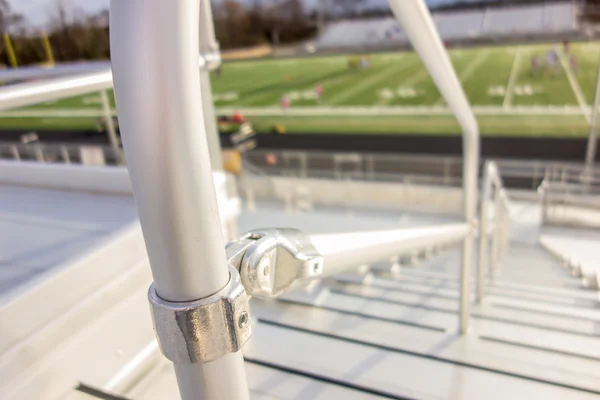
<point>56,113</point>
<point>365,84</point>
<point>469,70</point>
<point>575,86</point>
<point>401,110</point>
<point>409,82</point>
<point>514,73</point>
<point>415,78</point>
<point>321,111</point>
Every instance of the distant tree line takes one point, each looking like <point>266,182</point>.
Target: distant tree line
<point>75,35</point>
<point>72,34</point>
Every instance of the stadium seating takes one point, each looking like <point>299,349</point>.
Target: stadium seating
<point>361,33</point>
<point>491,22</point>
<point>452,25</point>
<point>559,17</point>
<point>516,20</point>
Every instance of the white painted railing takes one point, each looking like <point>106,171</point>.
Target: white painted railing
<point>345,251</point>
<point>168,159</point>
<point>158,95</point>
<point>571,196</point>
<point>494,201</point>
<point>571,201</point>
<point>62,153</point>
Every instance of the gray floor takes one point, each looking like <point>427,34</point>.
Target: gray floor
<point>536,335</point>
<point>396,337</point>
<point>43,229</point>
<point>330,219</point>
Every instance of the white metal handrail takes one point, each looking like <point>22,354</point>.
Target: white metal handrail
<point>567,201</point>
<point>53,71</point>
<point>157,91</point>
<point>491,190</point>
<point>303,162</point>
<point>61,153</point>
<point>415,19</point>
<point>28,93</point>
<point>343,251</point>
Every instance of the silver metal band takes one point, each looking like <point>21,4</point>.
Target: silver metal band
<point>212,59</point>
<point>202,330</point>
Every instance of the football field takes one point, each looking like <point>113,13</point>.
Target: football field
<point>394,94</point>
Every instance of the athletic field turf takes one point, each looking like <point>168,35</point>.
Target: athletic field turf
<point>394,95</point>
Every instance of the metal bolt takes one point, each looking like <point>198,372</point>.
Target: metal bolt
<point>266,270</point>
<point>243,320</point>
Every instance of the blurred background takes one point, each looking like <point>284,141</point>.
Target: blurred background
<point>329,123</point>
<point>343,72</point>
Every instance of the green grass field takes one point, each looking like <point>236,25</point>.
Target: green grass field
<point>499,81</point>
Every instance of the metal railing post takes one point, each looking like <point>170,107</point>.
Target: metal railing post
<point>209,50</point>
<point>496,236</point>
<point>483,242</point>
<point>486,189</point>
<point>415,19</point>
<point>64,151</point>
<point>590,155</point>
<point>110,126</point>
<point>505,224</point>
<point>15,152</point>
<point>157,90</point>
<point>39,152</point>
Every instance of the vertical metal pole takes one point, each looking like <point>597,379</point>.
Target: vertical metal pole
<point>486,188</point>
<point>371,166</point>
<point>39,153</point>
<point>590,155</point>
<point>415,19</point>
<point>209,49</point>
<point>544,201</point>
<point>157,88</point>
<point>15,152</point>
<point>64,151</point>
<point>110,126</point>
<point>303,161</point>
<point>483,241</point>
<point>505,224</point>
<point>210,121</point>
<point>446,171</point>
<point>496,235</point>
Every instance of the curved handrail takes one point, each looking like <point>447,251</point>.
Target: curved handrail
<point>158,98</point>
<point>415,19</point>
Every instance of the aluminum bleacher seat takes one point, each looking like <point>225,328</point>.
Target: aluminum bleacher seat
<point>533,19</point>
<point>516,20</point>
<point>460,24</point>
<point>559,17</point>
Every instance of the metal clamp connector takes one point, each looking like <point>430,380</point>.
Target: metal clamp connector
<point>273,261</point>
<point>202,330</point>
<point>212,59</point>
